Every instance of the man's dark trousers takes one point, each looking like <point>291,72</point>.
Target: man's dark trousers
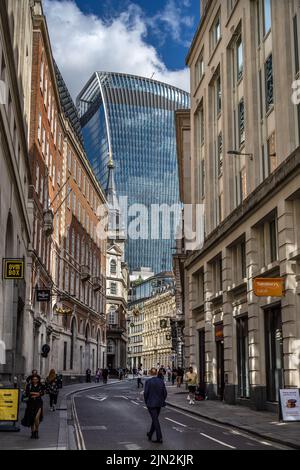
<point>154,412</point>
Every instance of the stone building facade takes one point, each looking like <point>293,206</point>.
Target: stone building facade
<point>117,282</point>
<point>244,166</point>
<point>15,179</point>
<point>158,312</point>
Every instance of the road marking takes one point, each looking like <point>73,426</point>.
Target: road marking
<point>266,443</point>
<point>216,440</point>
<point>176,422</point>
<point>96,398</point>
<point>93,428</point>
<point>121,396</point>
<point>222,426</point>
<point>78,433</point>
<point>132,447</point>
<point>134,402</point>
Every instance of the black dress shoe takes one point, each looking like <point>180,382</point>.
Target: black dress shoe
<point>149,436</point>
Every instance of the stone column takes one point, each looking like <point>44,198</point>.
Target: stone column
<point>209,334</point>
<point>229,363</point>
<point>255,326</point>
<point>291,340</point>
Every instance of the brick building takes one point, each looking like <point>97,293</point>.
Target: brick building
<point>67,257</point>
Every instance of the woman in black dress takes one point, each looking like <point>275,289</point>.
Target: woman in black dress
<point>34,409</point>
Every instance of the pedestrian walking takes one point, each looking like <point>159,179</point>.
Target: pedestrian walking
<point>179,378</point>
<point>105,375</point>
<point>192,381</point>
<point>88,375</point>
<point>155,395</point>
<point>174,375</point>
<point>34,406</point>
<point>52,388</point>
<point>169,374</point>
<point>139,378</point>
<point>34,373</point>
<point>98,376</point>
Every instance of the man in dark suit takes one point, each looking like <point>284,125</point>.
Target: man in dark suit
<point>155,395</point>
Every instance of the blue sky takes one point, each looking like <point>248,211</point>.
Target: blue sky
<point>142,37</point>
<point>172,49</point>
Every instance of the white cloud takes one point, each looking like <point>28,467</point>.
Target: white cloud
<point>174,20</point>
<point>83,44</point>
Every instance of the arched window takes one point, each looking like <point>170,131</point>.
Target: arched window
<point>113,267</point>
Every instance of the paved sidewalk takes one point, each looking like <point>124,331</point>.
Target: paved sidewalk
<point>53,429</point>
<point>261,423</point>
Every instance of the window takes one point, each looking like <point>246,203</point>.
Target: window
<point>269,86</point>
<point>243,357</point>
<point>241,122</point>
<point>296,44</point>
<point>112,318</point>
<point>69,160</point>
<point>37,179</point>
<point>267,15</point>
<point>40,127</point>
<point>42,190</point>
<point>215,33</point>
<point>220,153</point>
<point>113,267</point>
<point>199,69</point>
<point>218,91</point>
<point>45,91</point>
<point>49,106</point>
<point>43,141</point>
<point>239,58</point>
<point>113,288</point>
<point>74,168</point>
<point>42,75</point>
<point>273,240</point>
<point>111,348</point>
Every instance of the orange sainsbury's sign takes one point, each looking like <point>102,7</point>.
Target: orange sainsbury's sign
<point>268,287</point>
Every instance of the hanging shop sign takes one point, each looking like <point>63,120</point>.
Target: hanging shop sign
<point>63,311</point>
<point>9,404</point>
<point>43,295</point>
<point>13,269</point>
<point>268,287</point>
<point>290,404</point>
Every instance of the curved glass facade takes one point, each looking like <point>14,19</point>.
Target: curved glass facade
<point>133,118</point>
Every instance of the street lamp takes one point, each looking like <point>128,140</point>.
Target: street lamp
<point>237,153</point>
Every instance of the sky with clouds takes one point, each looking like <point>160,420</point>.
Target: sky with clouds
<point>141,37</point>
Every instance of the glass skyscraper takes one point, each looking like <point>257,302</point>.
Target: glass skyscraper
<point>133,120</point>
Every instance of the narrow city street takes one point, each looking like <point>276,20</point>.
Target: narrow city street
<point>115,418</point>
